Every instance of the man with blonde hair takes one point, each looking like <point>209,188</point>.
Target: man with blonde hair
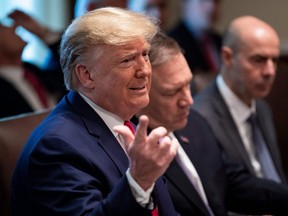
<point>82,160</point>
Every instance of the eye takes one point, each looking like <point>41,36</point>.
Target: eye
<point>171,92</point>
<point>262,60</point>
<point>275,60</point>
<point>146,55</point>
<point>129,59</point>
<point>259,59</point>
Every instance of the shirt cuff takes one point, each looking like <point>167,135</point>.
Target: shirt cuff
<point>142,197</point>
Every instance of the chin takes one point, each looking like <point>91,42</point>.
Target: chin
<point>141,104</point>
<point>263,94</point>
<point>180,125</point>
<point>144,101</point>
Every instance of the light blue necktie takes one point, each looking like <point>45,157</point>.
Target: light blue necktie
<point>262,152</point>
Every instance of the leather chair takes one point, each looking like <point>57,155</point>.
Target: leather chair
<point>14,131</point>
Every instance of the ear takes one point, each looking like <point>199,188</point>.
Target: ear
<point>83,75</point>
<point>227,56</point>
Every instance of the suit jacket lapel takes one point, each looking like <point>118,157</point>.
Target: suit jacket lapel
<point>96,127</point>
<point>178,178</point>
<point>228,128</point>
<point>115,152</point>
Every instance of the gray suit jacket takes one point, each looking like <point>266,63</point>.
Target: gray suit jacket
<point>211,105</point>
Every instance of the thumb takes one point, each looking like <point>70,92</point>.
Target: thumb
<point>126,133</point>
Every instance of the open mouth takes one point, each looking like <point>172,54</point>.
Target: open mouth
<point>137,88</point>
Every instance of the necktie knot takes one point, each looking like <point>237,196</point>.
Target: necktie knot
<point>252,119</point>
<point>130,126</point>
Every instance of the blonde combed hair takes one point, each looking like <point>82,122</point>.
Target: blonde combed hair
<point>104,26</point>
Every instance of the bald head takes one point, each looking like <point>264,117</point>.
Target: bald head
<point>249,58</point>
<point>248,28</point>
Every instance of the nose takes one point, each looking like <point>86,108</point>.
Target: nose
<point>187,99</point>
<point>143,67</point>
<point>270,68</point>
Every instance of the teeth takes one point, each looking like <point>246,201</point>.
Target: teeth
<point>137,88</point>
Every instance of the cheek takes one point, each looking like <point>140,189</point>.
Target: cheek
<point>171,109</point>
<point>117,80</point>
<point>149,83</point>
<point>250,75</point>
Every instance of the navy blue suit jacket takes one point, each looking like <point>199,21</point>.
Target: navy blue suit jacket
<point>228,187</point>
<point>73,165</point>
<point>12,102</point>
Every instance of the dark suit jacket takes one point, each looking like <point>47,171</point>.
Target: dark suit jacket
<point>210,104</point>
<point>12,102</point>
<point>227,186</point>
<point>51,77</point>
<point>193,49</point>
<point>73,165</point>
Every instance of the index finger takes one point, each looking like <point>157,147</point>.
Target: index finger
<point>17,14</point>
<point>141,130</point>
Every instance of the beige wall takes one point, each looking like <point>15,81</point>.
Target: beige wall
<point>274,12</point>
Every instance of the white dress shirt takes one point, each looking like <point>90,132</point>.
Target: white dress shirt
<point>240,113</point>
<point>188,168</point>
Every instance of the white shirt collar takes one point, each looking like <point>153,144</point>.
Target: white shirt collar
<point>12,73</point>
<point>110,119</point>
<point>238,109</point>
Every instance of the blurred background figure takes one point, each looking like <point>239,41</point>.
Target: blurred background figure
<point>234,104</point>
<point>201,43</point>
<point>52,39</point>
<point>167,11</point>
<point>23,86</point>
<point>82,6</point>
<point>51,70</point>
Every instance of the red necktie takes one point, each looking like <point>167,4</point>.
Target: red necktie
<point>130,126</point>
<point>38,86</point>
<point>155,212</point>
